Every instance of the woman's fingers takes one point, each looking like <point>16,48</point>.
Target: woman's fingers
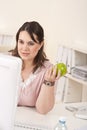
<point>58,75</point>
<point>51,74</point>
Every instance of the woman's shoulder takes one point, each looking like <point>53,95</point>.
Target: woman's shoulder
<point>8,53</point>
<point>47,64</point>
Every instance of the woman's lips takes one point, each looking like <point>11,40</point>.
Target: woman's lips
<point>25,53</point>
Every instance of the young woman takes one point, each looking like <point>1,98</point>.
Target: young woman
<point>37,87</point>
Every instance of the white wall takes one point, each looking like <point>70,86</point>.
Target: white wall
<point>64,21</point>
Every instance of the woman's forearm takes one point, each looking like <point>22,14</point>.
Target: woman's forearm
<point>46,99</point>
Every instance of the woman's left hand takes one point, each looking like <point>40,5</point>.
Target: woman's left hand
<point>51,75</point>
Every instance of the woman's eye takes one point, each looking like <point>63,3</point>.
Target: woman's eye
<point>20,41</point>
<point>31,43</point>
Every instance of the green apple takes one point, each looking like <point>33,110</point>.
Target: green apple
<point>62,67</point>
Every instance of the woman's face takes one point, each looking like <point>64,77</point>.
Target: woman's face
<point>27,48</point>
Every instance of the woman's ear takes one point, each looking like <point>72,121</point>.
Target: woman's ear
<point>42,43</point>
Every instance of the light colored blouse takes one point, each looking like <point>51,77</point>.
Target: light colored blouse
<point>29,89</point>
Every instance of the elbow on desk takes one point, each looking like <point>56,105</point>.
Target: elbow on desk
<point>44,110</point>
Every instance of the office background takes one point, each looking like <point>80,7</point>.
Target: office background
<point>64,21</point>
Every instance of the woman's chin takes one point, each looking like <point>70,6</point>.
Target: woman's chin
<point>25,58</point>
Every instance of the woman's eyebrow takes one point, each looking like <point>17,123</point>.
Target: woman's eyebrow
<point>31,41</point>
<point>20,39</point>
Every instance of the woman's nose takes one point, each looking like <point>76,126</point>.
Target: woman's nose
<point>25,46</point>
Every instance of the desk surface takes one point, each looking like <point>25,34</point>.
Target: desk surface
<point>26,115</point>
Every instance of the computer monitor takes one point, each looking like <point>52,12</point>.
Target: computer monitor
<point>10,69</point>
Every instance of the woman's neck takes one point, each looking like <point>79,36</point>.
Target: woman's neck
<point>28,64</point>
<point>27,70</point>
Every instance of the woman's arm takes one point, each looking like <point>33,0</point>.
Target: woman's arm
<point>46,98</point>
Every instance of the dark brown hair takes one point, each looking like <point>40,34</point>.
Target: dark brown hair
<point>32,27</point>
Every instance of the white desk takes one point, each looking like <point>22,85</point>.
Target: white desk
<point>26,115</point>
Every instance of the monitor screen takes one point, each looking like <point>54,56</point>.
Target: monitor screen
<point>10,69</point>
